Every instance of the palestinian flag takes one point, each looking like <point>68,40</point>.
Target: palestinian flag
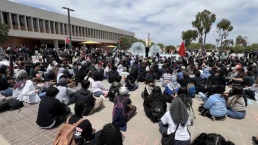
<point>67,41</point>
<point>115,49</point>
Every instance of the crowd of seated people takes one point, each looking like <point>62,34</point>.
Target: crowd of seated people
<point>52,86</point>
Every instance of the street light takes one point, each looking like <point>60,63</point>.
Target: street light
<point>69,24</point>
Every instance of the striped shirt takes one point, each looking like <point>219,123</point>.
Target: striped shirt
<point>166,76</point>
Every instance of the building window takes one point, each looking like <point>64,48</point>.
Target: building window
<point>72,30</point>
<point>41,25</point>
<point>28,20</point>
<point>46,25</point>
<point>65,29</point>
<point>61,28</point>
<point>22,22</point>
<point>51,26</point>
<point>5,18</point>
<point>34,22</point>
<point>14,19</point>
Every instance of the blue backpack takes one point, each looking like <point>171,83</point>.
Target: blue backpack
<point>119,117</point>
<point>191,90</point>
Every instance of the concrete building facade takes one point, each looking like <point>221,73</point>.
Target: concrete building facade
<point>32,26</point>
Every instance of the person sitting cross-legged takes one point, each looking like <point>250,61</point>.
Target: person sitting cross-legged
<point>51,111</point>
<point>91,104</point>
<point>123,109</point>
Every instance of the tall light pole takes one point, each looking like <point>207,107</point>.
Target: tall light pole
<point>69,24</point>
<point>148,39</point>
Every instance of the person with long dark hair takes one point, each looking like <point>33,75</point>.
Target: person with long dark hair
<point>236,104</point>
<point>155,96</point>
<point>211,139</point>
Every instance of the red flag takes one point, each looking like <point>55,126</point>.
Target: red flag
<point>181,51</point>
<point>67,40</point>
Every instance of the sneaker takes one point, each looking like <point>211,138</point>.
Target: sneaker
<point>212,118</point>
<point>255,140</point>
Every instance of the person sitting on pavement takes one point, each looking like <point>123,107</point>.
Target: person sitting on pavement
<point>109,135</point>
<point>20,83</point>
<point>84,132</point>
<point>91,104</point>
<point>29,93</point>
<point>5,90</point>
<point>123,109</point>
<point>148,104</point>
<point>98,88</point>
<point>186,80</point>
<point>236,103</point>
<point>176,120</point>
<point>131,83</point>
<point>166,77</point>
<point>114,88</point>
<point>112,74</point>
<point>214,107</point>
<point>171,89</point>
<point>246,81</point>
<point>211,139</point>
<point>150,84</point>
<point>51,111</point>
<point>65,94</point>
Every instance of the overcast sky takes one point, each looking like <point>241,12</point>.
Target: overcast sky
<point>163,19</point>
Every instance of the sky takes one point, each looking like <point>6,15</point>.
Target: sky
<point>163,19</point>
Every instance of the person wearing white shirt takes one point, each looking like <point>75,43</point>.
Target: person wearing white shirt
<point>176,120</point>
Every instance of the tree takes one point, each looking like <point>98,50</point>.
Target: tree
<point>126,42</point>
<point>209,46</point>
<point>195,46</point>
<point>203,22</point>
<point>3,32</point>
<point>188,36</point>
<point>223,28</point>
<point>238,49</point>
<point>227,43</point>
<point>170,47</point>
<point>241,40</point>
<point>161,45</point>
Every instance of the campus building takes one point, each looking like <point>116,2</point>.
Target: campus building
<point>32,26</point>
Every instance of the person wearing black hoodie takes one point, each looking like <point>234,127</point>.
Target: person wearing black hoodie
<point>51,111</point>
<point>91,104</point>
<point>141,73</point>
<point>112,74</point>
<point>155,96</point>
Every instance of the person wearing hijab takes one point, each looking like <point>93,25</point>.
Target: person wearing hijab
<point>176,116</point>
<point>20,83</point>
<point>171,88</point>
<point>206,74</point>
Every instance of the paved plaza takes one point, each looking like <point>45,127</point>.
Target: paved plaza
<point>19,127</point>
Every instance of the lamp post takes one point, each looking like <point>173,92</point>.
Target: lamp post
<point>69,24</point>
<point>148,39</point>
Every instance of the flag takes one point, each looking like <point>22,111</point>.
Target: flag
<point>67,41</point>
<point>115,49</point>
<point>181,51</point>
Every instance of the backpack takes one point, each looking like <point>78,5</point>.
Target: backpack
<point>191,90</point>
<point>14,104</point>
<point>119,117</point>
<point>204,83</point>
<point>157,111</point>
<point>112,91</point>
<point>4,106</point>
<point>65,135</point>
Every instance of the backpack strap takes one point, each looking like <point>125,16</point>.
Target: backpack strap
<point>67,120</point>
<point>79,121</point>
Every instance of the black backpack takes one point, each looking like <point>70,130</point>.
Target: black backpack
<point>14,104</point>
<point>204,83</point>
<point>157,111</point>
<point>4,106</point>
